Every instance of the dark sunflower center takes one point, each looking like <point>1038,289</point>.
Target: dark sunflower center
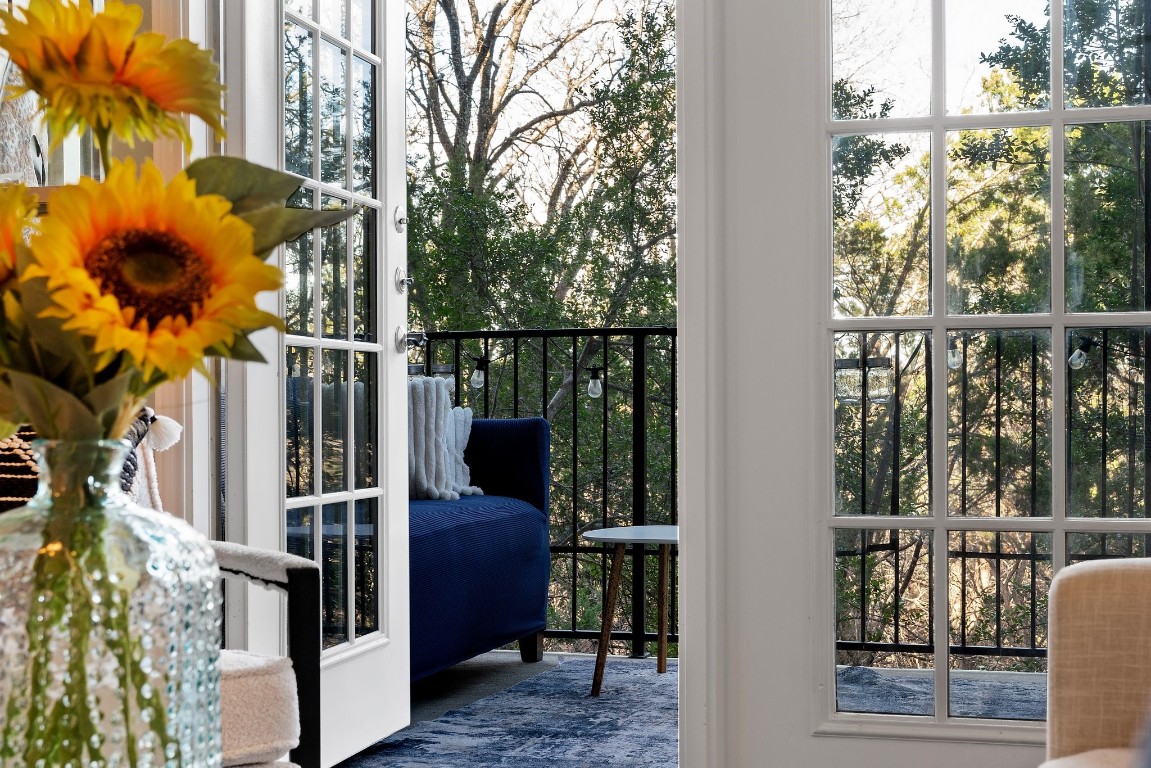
<point>156,273</point>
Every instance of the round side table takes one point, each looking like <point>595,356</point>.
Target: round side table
<point>662,535</point>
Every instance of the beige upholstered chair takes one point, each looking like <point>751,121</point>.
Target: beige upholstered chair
<point>1099,664</point>
<point>270,705</point>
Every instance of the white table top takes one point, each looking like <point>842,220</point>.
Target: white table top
<point>636,534</point>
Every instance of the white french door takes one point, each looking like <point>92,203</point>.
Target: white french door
<point>316,89</point>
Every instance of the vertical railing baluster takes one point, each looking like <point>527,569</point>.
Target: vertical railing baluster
<point>999,423</point>
<point>575,488</point>
<point>1034,494</point>
<point>1103,406</point>
<point>639,491</point>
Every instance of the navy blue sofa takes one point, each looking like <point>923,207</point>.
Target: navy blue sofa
<point>480,566</point>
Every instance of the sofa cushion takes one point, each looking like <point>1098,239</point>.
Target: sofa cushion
<point>259,708</point>
<point>1097,758</point>
<point>479,570</point>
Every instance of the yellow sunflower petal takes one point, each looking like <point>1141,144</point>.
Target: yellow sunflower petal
<point>97,69</point>
<point>150,268</point>
<point>17,206</point>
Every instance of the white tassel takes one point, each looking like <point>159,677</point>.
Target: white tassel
<point>164,433</point>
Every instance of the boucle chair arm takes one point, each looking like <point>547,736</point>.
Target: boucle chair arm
<point>299,578</point>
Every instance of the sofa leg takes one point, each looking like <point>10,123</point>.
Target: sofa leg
<point>532,647</point>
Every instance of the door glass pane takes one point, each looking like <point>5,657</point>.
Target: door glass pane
<point>333,418</point>
<point>999,417</point>
<point>298,147</point>
<point>333,113</point>
<point>881,58</point>
<point>1106,404</point>
<point>882,453</point>
<point>366,420</point>
<point>334,275</point>
<point>362,28</point>
<point>1104,53</point>
<point>299,276</point>
<point>334,574</point>
<point>882,224</point>
<point>299,426</point>
<point>883,617</point>
<point>1105,204</point>
<point>364,274</point>
<point>997,56</point>
<point>302,532</point>
<point>998,583</point>
<point>998,221</point>
<point>363,127</point>
<point>367,547</point>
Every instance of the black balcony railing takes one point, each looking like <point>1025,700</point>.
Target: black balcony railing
<point>613,455</point>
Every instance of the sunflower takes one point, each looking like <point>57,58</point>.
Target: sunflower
<point>17,205</point>
<point>93,69</point>
<point>151,269</point>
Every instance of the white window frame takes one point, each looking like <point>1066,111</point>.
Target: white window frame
<point>938,125</point>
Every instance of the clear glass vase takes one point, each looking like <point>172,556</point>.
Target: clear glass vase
<point>109,624</point>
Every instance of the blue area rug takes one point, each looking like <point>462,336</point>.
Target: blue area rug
<point>550,721</point>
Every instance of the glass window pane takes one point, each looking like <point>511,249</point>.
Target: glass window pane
<point>1106,546</point>
<point>301,528</point>
<point>997,56</point>
<point>882,452</point>
<point>882,224</point>
<point>367,547</point>
<point>363,26</point>
<point>299,425</point>
<point>299,276</point>
<point>999,423</point>
<point>1105,207</point>
<point>298,148</point>
<point>883,622</point>
<point>366,419</point>
<point>881,58</point>
<point>998,583</point>
<point>334,574</point>
<point>333,418</point>
<point>998,221</point>
<point>334,275</point>
<point>364,274</point>
<point>299,7</point>
<point>1104,51</point>
<point>333,15</point>
<point>363,127</point>
<point>333,114</point>
<point>1106,402</point>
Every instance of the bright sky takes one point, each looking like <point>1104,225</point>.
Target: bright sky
<point>887,43</point>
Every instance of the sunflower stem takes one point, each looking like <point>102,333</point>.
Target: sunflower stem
<point>103,141</point>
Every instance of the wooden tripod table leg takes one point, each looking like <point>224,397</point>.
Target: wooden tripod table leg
<point>661,603</point>
<point>608,614</point>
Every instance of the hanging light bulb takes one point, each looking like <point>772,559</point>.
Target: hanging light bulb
<point>954,354</point>
<point>1078,358</point>
<point>479,374</point>
<point>595,383</point>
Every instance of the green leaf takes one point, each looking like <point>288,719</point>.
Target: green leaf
<point>68,350</point>
<point>242,349</point>
<point>7,429</point>
<point>279,225</point>
<point>106,399</point>
<point>249,186</point>
<point>52,411</point>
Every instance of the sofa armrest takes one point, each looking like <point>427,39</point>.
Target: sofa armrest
<point>511,457</point>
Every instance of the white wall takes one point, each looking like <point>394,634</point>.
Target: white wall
<point>750,186</point>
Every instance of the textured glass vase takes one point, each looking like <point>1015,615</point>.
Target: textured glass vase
<point>109,624</point>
